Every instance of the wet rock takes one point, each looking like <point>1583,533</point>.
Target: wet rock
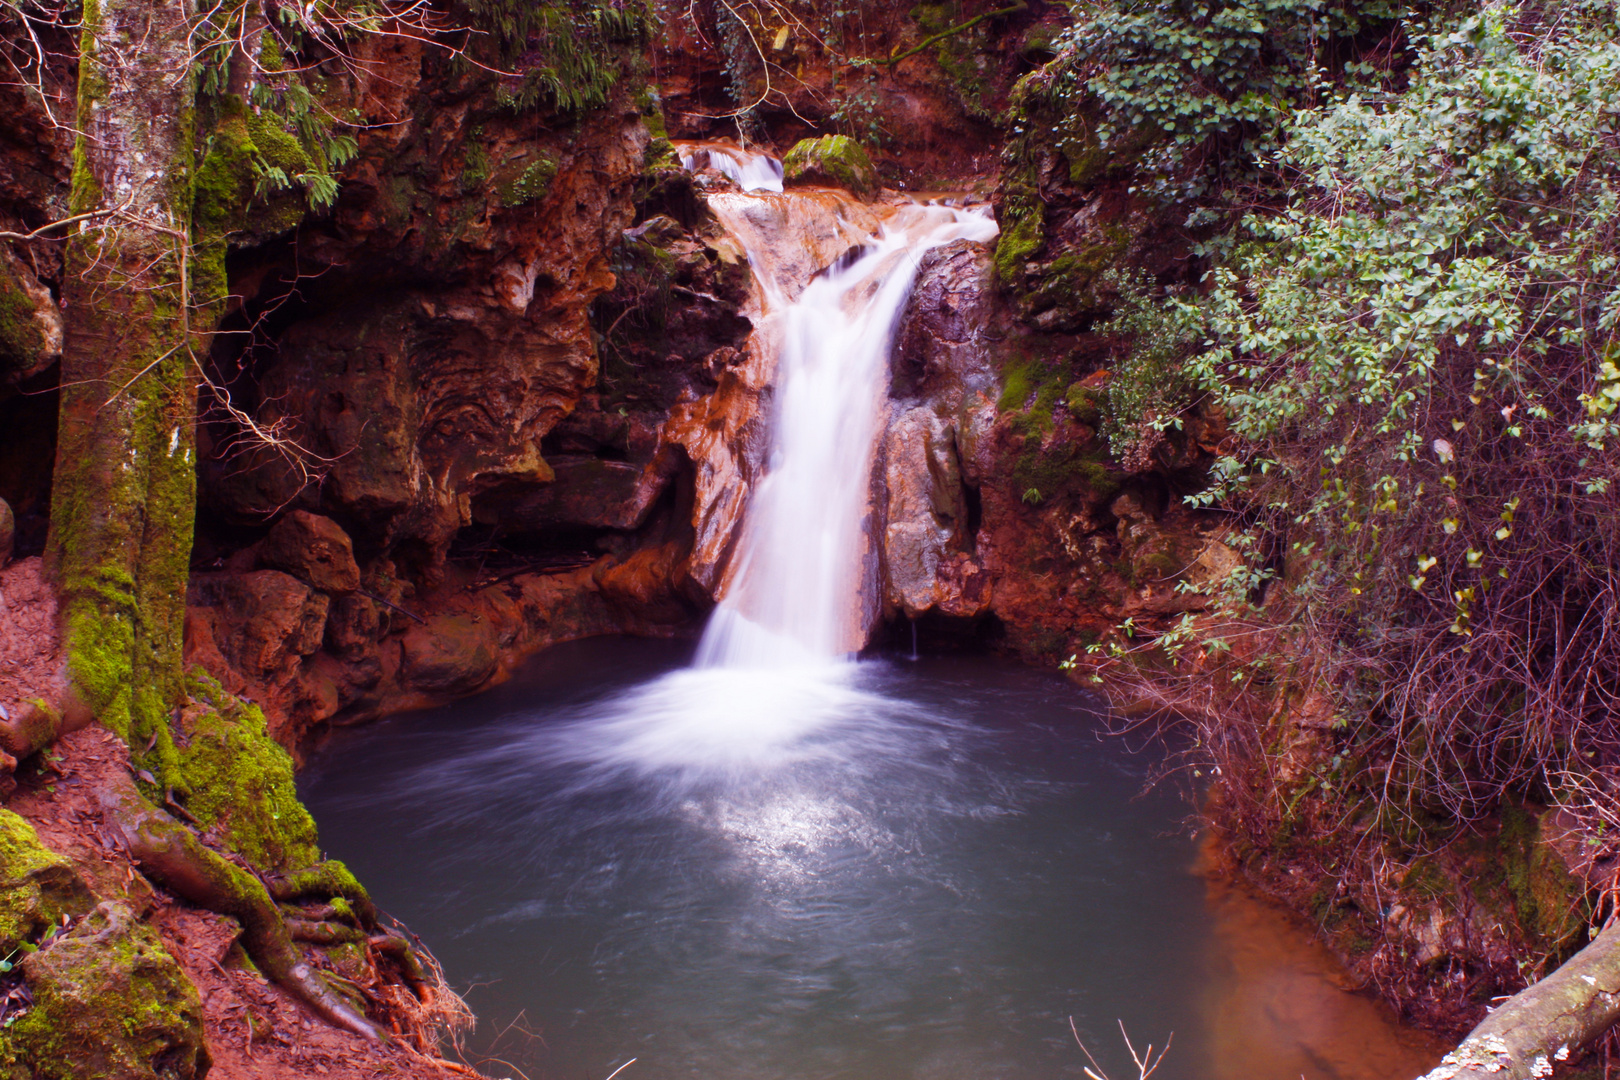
<point>352,627</point>
<point>453,653</point>
<point>588,493</point>
<point>835,160</point>
<point>313,549</point>
<point>110,1003</point>
<point>644,584</point>
<point>943,378</point>
<point>926,511</point>
<point>444,324</point>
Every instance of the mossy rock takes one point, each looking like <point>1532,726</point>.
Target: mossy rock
<point>24,343</point>
<point>110,1003</point>
<point>1550,901</point>
<point>37,886</point>
<point>837,160</point>
<point>239,782</point>
<point>531,184</point>
<point>1023,233</point>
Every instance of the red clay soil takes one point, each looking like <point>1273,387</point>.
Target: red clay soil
<point>30,659</point>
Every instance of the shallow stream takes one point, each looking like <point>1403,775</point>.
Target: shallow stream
<point>908,869</point>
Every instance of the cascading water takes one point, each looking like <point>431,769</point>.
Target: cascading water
<point>772,684</point>
<point>794,595</point>
<point>751,172</point>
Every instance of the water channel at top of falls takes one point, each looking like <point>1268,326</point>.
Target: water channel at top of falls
<point>768,860</point>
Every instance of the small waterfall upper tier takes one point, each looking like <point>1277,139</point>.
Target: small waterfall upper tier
<point>748,170</point>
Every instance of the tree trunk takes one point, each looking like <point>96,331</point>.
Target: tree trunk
<point>1545,1025</point>
<point>124,495</point>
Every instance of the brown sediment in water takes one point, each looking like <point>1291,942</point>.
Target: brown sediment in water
<point>1278,1003</point>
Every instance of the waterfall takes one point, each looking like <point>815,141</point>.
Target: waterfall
<point>751,172</point>
<point>770,688</point>
<point>793,595</point>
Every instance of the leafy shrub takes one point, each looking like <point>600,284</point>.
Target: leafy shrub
<point>1417,357</point>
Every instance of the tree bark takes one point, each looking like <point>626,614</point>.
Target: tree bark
<point>124,495</point>
<point>1547,1024</point>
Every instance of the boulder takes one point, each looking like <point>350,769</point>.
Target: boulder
<point>835,160</point>
<point>8,532</point>
<point>109,1003</point>
<point>450,654</point>
<point>37,886</point>
<point>263,621</point>
<point>313,549</point>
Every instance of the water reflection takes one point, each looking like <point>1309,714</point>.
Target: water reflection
<point>1278,1004</point>
<point>919,870</point>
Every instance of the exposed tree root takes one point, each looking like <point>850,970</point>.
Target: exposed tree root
<point>325,880</point>
<point>1545,1025</point>
<point>172,854</point>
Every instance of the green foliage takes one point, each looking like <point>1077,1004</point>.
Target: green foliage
<point>1217,79</point>
<point>1147,392</point>
<point>1416,356</point>
<point>570,53</point>
<point>531,185</point>
<point>961,56</point>
<point>298,142</point>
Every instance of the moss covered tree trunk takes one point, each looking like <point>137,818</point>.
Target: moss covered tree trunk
<point>124,493</point>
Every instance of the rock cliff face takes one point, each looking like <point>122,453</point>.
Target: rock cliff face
<point>409,353</point>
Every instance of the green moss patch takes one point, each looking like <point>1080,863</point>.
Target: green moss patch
<point>238,782</point>
<point>109,1003</point>
<point>37,886</point>
<point>832,159</point>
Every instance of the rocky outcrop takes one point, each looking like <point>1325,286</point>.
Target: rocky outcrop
<point>832,160</point>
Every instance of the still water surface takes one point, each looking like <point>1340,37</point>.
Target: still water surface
<point>922,869</point>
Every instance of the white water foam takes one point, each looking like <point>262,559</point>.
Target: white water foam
<point>794,598</point>
<point>749,171</point>
<point>773,686</point>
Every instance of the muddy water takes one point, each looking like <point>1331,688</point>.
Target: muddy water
<point>927,874</point>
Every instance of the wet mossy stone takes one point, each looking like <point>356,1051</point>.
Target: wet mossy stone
<point>37,886</point>
<point>832,159</point>
<point>110,1003</point>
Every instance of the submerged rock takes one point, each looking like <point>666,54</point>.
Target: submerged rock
<point>110,1003</point>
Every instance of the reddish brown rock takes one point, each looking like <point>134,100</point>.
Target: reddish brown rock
<point>449,654</point>
<point>261,623</point>
<point>353,627</point>
<point>313,549</point>
<point>645,583</point>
